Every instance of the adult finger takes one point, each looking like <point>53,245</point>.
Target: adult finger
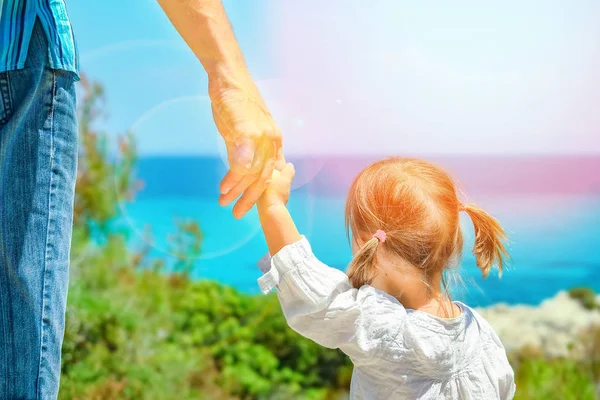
<point>255,190</point>
<point>264,160</point>
<point>240,162</point>
<point>233,175</point>
<point>251,173</point>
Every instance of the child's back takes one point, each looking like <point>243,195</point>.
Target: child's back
<point>398,353</point>
<point>436,358</point>
<point>391,313</point>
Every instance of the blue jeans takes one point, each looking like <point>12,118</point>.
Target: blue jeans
<point>38,161</point>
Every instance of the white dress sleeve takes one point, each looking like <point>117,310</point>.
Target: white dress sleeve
<point>319,303</point>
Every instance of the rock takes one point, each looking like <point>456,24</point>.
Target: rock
<point>551,326</point>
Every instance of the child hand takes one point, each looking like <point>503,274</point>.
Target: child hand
<point>277,192</point>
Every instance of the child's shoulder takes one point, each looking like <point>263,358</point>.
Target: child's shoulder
<point>486,330</point>
<point>476,318</point>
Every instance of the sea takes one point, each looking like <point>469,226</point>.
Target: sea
<point>549,206</point>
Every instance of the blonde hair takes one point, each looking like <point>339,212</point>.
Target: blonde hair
<point>416,204</point>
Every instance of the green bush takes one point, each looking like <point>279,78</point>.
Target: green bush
<point>144,334</point>
<point>585,296</point>
<point>540,377</point>
<point>577,377</point>
<point>554,379</point>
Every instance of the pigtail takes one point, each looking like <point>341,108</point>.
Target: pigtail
<point>360,270</point>
<point>489,237</point>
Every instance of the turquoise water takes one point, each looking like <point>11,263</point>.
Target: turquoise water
<point>555,240</point>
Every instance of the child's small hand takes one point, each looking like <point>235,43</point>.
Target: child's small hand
<point>278,190</point>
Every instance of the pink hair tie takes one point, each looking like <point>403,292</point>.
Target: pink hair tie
<point>380,235</point>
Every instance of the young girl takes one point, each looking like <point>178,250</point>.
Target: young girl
<point>391,314</point>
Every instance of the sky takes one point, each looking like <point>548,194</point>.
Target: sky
<point>362,77</point>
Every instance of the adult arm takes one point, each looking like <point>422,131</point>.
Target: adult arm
<point>252,138</point>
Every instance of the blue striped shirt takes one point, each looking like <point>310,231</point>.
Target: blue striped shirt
<point>17,18</point>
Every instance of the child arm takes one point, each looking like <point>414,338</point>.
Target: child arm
<point>277,224</point>
<point>278,227</point>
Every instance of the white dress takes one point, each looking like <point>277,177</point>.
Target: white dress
<point>397,353</point>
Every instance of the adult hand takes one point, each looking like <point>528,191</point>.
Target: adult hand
<point>253,143</point>
<point>252,137</point>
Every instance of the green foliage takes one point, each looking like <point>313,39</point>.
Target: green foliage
<point>554,379</point>
<point>251,344</point>
<point>102,183</point>
<point>539,377</point>
<point>144,333</point>
<point>585,296</point>
<point>577,378</point>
